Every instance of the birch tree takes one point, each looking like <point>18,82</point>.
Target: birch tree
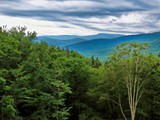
<point>132,59</point>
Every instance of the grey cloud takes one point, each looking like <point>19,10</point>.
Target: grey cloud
<point>64,26</point>
<point>118,31</point>
<point>101,9</point>
<point>48,14</point>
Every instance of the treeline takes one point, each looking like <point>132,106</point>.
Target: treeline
<point>41,82</point>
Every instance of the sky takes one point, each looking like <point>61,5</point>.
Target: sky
<point>82,17</point>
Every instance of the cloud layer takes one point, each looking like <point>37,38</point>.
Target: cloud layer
<point>82,17</point>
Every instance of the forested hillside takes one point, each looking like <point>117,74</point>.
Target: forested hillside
<point>41,82</point>
<point>101,45</point>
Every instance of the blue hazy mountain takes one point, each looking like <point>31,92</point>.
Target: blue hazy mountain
<point>64,40</point>
<point>101,35</point>
<point>56,42</point>
<point>102,47</point>
<point>88,37</point>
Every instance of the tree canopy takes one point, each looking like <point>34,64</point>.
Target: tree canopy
<point>41,82</point>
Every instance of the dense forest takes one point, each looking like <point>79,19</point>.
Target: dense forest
<point>41,82</point>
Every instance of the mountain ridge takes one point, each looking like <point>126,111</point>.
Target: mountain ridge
<point>101,47</point>
<point>87,37</point>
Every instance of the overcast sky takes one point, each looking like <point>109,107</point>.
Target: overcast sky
<point>82,17</point>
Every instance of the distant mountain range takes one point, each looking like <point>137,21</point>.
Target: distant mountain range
<point>65,40</point>
<point>101,45</point>
<point>88,37</point>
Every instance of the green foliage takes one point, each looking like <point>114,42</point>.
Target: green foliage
<point>30,88</point>
<point>41,82</point>
<point>8,109</point>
